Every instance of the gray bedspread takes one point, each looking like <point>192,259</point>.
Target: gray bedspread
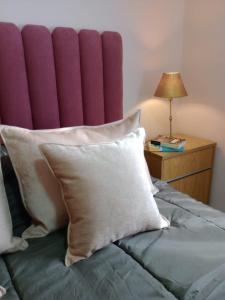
<point>186,261</point>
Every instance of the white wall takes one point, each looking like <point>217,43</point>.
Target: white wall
<point>203,112</point>
<point>151,31</point>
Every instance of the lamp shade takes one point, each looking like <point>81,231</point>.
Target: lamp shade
<point>171,86</point>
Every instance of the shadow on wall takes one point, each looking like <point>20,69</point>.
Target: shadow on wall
<point>198,117</point>
<point>154,116</point>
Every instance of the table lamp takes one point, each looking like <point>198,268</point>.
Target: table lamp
<point>170,86</point>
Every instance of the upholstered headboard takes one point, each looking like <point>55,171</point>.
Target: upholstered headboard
<point>63,78</point>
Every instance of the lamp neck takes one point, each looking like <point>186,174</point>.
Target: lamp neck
<point>170,117</point>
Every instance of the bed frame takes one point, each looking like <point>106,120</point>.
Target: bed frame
<point>64,78</point>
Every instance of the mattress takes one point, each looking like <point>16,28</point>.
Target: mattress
<point>186,261</point>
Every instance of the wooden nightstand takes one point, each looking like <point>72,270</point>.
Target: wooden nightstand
<point>190,171</point>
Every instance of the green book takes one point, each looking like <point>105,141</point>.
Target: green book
<point>167,149</point>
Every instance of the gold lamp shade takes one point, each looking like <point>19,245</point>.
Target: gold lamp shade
<point>170,86</point>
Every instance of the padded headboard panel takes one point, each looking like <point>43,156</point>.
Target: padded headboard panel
<point>64,78</point>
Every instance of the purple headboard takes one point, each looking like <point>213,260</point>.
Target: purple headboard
<point>63,78</point>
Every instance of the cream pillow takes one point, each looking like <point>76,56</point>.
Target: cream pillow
<point>2,291</point>
<point>107,192</point>
<point>8,243</point>
<point>39,189</point>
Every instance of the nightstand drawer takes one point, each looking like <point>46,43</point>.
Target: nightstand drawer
<point>197,185</point>
<point>188,163</point>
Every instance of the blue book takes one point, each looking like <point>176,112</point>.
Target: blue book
<point>167,149</point>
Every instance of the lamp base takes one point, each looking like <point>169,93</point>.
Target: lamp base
<point>170,138</point>
<point>162,139</point>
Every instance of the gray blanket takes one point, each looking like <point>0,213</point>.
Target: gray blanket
<point>186,261</point>
<point>210,287</point>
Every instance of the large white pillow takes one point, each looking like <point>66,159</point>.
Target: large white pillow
<point>8,243</point>
<point>107,192</point>
<point>39,189</point>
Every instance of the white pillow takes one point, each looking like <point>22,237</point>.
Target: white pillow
<point>106,190</point>
<point>39,189</point>
<point>2,291</point>
<point>8,243</point>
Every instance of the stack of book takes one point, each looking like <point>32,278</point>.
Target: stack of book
<point>166,144</point>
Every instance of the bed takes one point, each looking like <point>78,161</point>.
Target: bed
<point>58,79</point>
